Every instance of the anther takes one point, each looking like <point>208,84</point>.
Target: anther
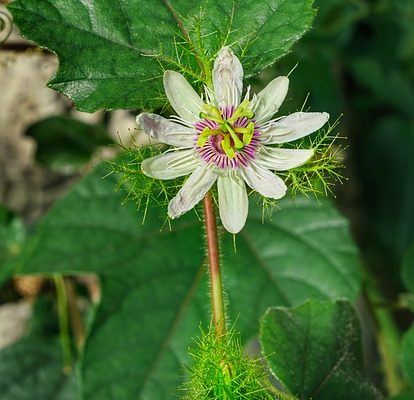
<point>226,146</point>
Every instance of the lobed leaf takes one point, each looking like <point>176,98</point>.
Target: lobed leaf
<point>112,53</point>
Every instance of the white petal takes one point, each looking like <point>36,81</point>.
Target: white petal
<point>267,102</point>
<point>264,181</point>
<point>170,165</point>
<point>233,202</point>
<point>227,78</point>
<point>183,98</point>
<point>294,126</point>
<point>283,159</point>
<point>193,190</point>
<point>165,131</point>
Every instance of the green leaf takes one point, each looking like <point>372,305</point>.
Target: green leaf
<point>406,300</point>
<point>112,54</point>
<point>384,153</point>
<point>315,351</point>
<point>65,144</point>
<point>407,355</point>
<point>154,284</point>
<point>407,271</point>
<point>337,17</point>
<point>12,236</point>
<point>391,86</point>
<point>32,370</point>
<point>403,396</point>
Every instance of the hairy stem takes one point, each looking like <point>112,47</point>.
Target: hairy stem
<point>216,286</point>
<point>62,302</point>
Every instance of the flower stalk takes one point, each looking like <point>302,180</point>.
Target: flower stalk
<point>216,286</point>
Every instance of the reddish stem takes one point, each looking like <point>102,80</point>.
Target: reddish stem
<point>214,266</point>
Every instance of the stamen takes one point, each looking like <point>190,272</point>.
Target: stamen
<point>248,135</point>
<point>238,144</point>
<point>213,111</point>
<point>210,117</point>
<point>242,111</point>
<point>226,146</point>
<point>203,137</point>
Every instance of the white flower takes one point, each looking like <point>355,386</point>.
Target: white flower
<point>226,139</point>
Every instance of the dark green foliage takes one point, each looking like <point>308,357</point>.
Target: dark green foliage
<point>153,280</point>
<point>407,355</point>
<point>65,144</point>
<point>12,236</point>
<point>315,351</point>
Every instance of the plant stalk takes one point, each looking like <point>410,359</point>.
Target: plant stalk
<point>62,302</point>
<point>76,321</point>
<point>216,286</point>
<point>388,339</point>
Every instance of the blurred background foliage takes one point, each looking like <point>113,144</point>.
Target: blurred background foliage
<point>357,63</point>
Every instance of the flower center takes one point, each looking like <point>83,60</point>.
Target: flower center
<point>228,137</point>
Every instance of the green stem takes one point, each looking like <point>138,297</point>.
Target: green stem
<point>77,326</point>
<point>216,286</point>
<point>62,302</point>
<point>388,339</point>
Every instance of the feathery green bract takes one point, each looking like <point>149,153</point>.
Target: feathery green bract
<point>221,371</point>
<point>142,190</point>
<point>324,169</point>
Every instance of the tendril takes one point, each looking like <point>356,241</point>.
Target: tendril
<point>6,26</point>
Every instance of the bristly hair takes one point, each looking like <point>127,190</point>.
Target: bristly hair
<point>144,191</point>
<point>221,370</point>
<point>324,169</point>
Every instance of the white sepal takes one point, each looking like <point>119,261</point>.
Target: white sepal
<point>183,98</point>
<point>227,78</point>
<point>233,201</point>
<point>294,126</point>
<point>193,190</point>
<point>267,102</point>
<point>165,131</point>
<point>263,181</point>
<point>282,159</point>
<point>170,165</point>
